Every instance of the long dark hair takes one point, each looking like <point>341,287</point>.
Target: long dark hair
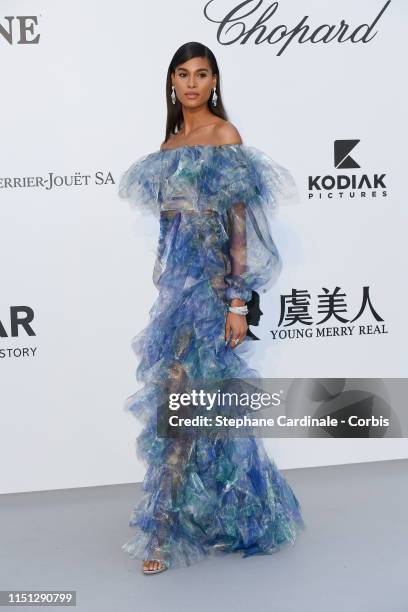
<point>183,54</point>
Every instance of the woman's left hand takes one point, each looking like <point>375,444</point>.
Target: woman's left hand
<point>237,326</point>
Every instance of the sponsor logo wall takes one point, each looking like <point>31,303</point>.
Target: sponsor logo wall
<point>318,88</point>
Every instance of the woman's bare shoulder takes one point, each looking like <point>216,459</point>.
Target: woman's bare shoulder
<point>219,133</point>
<point>225,132</point>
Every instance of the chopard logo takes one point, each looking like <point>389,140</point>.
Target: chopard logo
<point>243,23</point>
<point>19,30</point>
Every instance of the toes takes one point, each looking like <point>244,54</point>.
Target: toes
<point>150,566</point>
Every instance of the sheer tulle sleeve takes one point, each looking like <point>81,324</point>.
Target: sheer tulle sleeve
<point>254,258</point>
<point>248,200</point>
<point>140,184</point>
<point>237,279</point>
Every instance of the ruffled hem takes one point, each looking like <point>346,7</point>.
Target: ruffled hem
<point>237,502</point>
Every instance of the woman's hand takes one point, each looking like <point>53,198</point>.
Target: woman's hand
<point>237,326</point>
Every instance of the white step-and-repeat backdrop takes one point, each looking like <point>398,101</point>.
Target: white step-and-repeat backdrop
<point>319,86</point>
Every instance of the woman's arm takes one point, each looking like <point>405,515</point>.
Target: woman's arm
<point>235,325</point>
<point>237,289</point>
<point>236,292</point>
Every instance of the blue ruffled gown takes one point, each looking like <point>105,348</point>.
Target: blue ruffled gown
<point>205,495</point>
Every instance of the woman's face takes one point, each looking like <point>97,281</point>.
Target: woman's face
<point>193,81</point>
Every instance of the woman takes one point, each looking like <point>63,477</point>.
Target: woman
<point>211,194</point>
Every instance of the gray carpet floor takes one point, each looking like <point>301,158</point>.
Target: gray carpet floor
<point>351,557</point>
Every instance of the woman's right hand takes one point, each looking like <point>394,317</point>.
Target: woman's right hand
<point>235,326</point>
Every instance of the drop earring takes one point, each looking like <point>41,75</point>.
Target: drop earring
<point>173,94</point>
<point>214,97</point>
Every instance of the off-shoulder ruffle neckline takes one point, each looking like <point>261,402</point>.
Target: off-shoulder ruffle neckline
<point>202,146</point>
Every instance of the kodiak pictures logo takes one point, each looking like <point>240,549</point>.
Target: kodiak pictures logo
<point>343,182</point>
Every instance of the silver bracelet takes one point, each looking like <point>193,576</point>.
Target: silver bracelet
<point>241,310</point>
